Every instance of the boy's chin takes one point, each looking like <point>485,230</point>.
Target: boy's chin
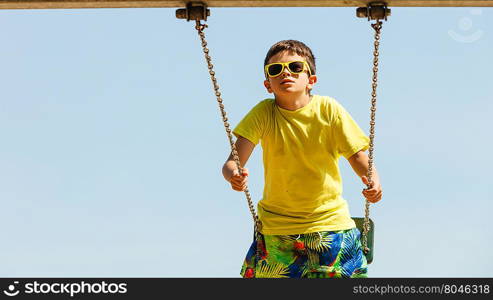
<point>288,92</point>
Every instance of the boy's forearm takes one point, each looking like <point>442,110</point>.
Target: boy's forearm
<point>359,163</point>
<point>244,148</point>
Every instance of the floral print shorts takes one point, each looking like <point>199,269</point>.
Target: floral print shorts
<point>326,254</point>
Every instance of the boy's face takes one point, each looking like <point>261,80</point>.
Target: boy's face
<point>288,83</point>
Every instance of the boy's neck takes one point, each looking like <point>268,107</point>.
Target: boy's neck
<point>293,102</point>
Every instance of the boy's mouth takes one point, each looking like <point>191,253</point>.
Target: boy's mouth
<point>286,81</point>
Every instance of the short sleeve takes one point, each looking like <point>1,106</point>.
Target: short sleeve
<point>252,126</point>
<point>348,136</point>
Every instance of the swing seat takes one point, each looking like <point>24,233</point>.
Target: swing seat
<point>359,224</point>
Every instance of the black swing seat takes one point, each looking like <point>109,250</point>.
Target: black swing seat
<point>359,224</point>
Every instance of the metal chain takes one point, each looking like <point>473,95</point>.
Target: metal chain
<point>366,225</point>
<point>200,29</point>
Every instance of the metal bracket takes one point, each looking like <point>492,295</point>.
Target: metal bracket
<point>194,11</point>
<point>374,11</point>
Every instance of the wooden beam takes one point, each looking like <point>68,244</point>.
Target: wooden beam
<point>66,4</point>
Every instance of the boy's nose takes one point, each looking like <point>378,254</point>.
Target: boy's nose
<point>285,71</point>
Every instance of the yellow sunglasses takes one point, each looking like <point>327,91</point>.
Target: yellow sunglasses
<point>295,67</point>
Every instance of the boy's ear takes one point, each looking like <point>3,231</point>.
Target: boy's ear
<point>311,81</point>
<point>267,86</point>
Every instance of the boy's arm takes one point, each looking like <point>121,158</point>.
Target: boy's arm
<point>230,171</point>
<point>359,163</point>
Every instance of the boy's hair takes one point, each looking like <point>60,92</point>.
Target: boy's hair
<point>292,46</point>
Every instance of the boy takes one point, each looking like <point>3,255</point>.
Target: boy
<point>306,226</point>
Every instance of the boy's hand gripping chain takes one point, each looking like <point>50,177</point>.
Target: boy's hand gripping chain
<point>374,11</point>
<point>198,12</point>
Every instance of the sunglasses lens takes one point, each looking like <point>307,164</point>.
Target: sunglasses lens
<point>274,69</point>
<point>296,67</point>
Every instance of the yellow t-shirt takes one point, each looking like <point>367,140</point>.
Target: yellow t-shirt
<point>301,150</point>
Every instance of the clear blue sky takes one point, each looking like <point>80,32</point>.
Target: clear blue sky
<point>112,144</point>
